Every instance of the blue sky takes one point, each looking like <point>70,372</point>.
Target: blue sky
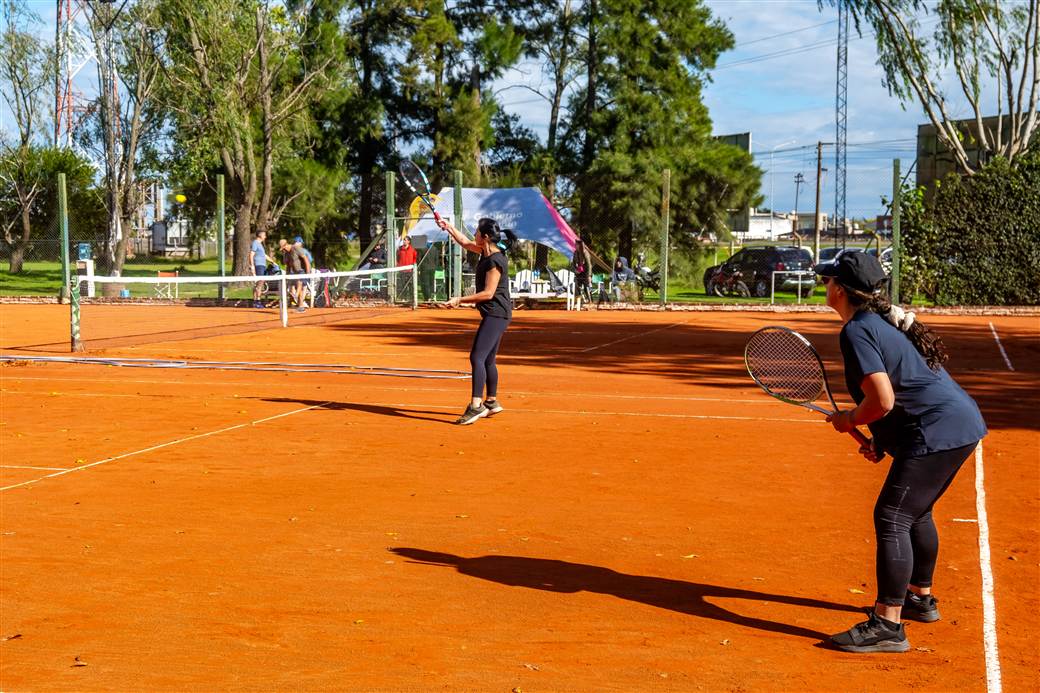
<point>789,97</point>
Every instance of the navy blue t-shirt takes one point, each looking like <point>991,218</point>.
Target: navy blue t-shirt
<point>500,305</point>
<point>932,413</point>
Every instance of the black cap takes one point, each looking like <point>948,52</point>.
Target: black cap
<point>858,271</point>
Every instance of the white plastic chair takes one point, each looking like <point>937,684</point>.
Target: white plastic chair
<point>566,278</point>
<point>523,281</point>
<point>168,291</point>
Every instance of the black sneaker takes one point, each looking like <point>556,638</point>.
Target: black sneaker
<point>492,406</point>
<point>873,635</point>
<point>472,414</point>
<point>923,608</point>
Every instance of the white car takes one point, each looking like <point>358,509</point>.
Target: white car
<point>886,258</point>
<point>833,253</point>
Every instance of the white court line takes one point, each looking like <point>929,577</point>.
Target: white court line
<point>633,336</point>
<point>42,469</point>
<point>162,445</point>
<point>989,609</point>
<point>1001,347</point>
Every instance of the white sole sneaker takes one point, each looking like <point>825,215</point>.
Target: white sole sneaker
<point>467,420</point>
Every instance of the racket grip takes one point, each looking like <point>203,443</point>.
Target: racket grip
<point>865,442</point>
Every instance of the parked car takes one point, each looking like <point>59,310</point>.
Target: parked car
<point>756,267</point>
<point>885,258</point>
<point>833,253</point>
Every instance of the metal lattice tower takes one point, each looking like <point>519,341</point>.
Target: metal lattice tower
<point>75,50</point>
<point>841,118</point>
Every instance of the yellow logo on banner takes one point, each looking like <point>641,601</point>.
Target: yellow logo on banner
<point>416,210</point>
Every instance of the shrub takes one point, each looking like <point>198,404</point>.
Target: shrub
<point>977,240</point>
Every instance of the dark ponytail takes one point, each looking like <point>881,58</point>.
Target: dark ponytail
<point>503,238</point>
<point>927,343</point>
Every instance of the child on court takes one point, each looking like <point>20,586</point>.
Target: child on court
<point>919,416</point>
<point>496,310</point>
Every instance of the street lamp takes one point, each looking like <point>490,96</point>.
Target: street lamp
<point>782,144</point>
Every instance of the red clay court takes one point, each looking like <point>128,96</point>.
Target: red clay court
<point>642,517</point>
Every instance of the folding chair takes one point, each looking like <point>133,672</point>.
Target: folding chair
<point>439,278</point>
<point>168,291</point>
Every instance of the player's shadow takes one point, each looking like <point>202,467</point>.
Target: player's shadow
<point>382,410</point>
<point>677,595</point>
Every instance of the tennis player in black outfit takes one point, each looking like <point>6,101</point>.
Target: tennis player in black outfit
<point>919,416</point>
<point>496,310</point>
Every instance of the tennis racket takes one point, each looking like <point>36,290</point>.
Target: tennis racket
<point>416,181</point>
<point>785,365</point>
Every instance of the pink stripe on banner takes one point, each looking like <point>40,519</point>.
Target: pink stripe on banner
<point>561,224</point>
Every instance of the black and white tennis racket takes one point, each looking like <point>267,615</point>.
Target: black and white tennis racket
<point>416,181</point>
<point>786,365</point>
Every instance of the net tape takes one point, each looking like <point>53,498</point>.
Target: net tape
<point>785,364</point>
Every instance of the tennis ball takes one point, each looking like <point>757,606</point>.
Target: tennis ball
<point>180,198</point>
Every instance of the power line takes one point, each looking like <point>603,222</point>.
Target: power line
<point>785,33</point>
<point>783,53</point>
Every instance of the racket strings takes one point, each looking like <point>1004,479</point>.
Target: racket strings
<point>414,179</point>
<point>784,365</point>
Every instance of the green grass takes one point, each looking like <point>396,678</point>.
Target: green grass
<point>686,292</point>
<point>44,278</point>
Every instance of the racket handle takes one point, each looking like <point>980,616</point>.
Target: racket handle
<point>865,442</point>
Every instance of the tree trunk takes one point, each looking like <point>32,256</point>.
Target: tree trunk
<point>624,243</point>
<point>21,244</point>
<point>541,256</point>
<point>365,200</point>
<point>588,151</point>
<point>243,222</point>
<point>17,258</point>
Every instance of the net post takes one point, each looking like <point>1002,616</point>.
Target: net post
<point>283,301</point>
<point>456,249</point>
<point>666,195</point>
<point>896,215</point>
<point>391,236</point>
<point>415,286</point>
<point>220,233</point>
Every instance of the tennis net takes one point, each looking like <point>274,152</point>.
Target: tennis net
<point>228,305</point>
<point>318,289</point>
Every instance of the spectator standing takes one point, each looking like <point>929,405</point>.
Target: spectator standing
<point>581,264</point>
<point>258,261</point>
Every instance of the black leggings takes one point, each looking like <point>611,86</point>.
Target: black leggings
<point>907,543</point>
<point>482,355</point>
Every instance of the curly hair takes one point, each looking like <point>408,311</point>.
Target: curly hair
<point>928,343</point>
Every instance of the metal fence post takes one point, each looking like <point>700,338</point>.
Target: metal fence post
<point>75,344</point>
<point>896,214</point>
<point>220,233</point>
<point>666,193</point>
<point>391,235</point>
<point>63,222</point>
<point>456,249</point>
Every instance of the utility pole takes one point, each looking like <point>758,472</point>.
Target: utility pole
<point>798,180</point>
<point>816,217</point>
<point>841,102</point>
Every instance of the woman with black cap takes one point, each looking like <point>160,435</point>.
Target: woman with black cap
<point>496,310</point>
<point>919,416</point>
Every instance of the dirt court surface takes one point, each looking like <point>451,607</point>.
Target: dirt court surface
<point>639,518</point>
